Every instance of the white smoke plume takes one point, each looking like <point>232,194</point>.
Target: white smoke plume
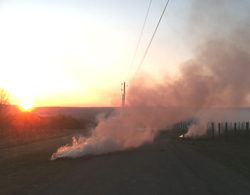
<point>218,76</point>
<point>197,130</point>
<point>126,128</point>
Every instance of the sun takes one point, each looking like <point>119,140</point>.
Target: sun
<point>26,104</point>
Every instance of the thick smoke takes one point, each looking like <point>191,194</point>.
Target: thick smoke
<point>218,76</point>
<point>225,27</point>
<point>126,128</point>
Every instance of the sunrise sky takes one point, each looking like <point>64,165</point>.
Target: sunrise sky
<point>77,53</point>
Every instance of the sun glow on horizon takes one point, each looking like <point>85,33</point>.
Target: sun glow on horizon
<point>68,54</point>
<point>26,104</point>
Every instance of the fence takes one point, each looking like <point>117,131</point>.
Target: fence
<point>223,131</point>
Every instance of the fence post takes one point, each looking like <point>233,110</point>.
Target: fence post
<point>219,129</point>
<point>212,130</point>
<point>247,130</point>
<point>226,130</point>
<point>207,129</point>
<point>235,135</point>
<point>222,127</point>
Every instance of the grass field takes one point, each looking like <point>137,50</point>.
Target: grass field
<point>26,169</point>
<point>235,155</point>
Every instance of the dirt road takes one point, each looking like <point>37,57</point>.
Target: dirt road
<point>164,167</point>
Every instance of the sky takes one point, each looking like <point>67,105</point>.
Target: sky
<point>77,53</point>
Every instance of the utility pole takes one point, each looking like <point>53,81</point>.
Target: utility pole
<point>123,95</point>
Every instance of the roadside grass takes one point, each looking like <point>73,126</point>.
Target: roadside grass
<point>26,169</point>
<point>9,141</point>
<point>230,153</point>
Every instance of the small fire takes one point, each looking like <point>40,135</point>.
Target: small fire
<point>60,150</point>
<point>82,145</point>
<point>181,136</point>
<point>76,145</point>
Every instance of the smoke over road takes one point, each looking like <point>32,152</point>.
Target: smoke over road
<point>217,76</point>
<point>120,131</point>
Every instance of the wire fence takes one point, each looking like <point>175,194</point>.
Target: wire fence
<point>228,131</point>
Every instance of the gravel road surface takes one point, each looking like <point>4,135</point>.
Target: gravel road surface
<point>164,167</point>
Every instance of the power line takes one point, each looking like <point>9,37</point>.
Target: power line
<point>137,70</point>
<point>139,38</point>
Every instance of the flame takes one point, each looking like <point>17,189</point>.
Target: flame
<point>84,146</point>
<point>77,144</point>
<point>181,136</point>
<point>60,150</point>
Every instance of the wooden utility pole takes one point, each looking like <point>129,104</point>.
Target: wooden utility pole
<point>123,95</point>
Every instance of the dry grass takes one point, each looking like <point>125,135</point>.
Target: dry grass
<point>26,169</point>
<point>10,141</point>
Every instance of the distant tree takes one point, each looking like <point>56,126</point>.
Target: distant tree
<point>4,108</point>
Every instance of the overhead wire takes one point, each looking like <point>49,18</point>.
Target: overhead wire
<point>140,64</point>
<point>139,40</point>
